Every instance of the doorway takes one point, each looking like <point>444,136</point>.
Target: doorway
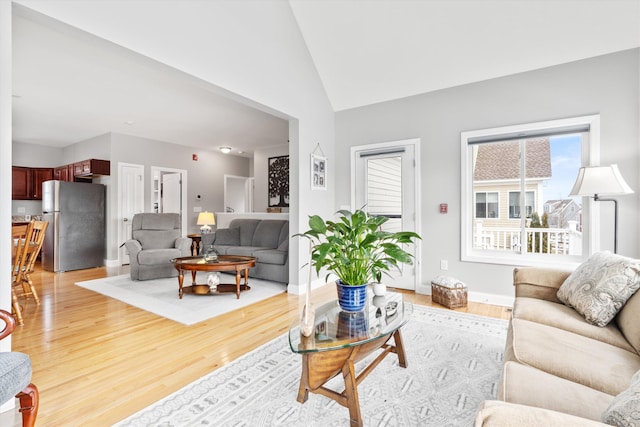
<point>385,183</point>
<point>169,194</point>
<point>238,194</point>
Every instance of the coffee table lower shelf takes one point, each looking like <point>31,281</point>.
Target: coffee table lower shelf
<point>221,289</point>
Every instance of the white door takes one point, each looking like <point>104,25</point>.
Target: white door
<point>385,183</point>
<point>171,193</point>
<point>130,202</point>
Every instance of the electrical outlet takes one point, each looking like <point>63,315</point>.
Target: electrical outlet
<point>444,264</point>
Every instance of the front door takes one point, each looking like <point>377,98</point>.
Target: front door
<point>385,182</point>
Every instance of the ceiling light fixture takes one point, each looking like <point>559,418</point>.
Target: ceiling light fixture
<point>225,150</point>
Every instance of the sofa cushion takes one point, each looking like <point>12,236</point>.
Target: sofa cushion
<point>271,256</point>
<point>563,317</point>
<point>247,229</point>
<point>243,250</point>
<point>624,410</point>
<point>600,286</point>
<point>157,256</point>
<point>571,356</point>
<point>267,233</point>
<point>495,413</point>
<point>530,386</point>
<point>227,236</point>
<point>157,239</point>
<point>628,321</point>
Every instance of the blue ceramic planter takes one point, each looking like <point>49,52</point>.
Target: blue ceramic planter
<point>352,298</point>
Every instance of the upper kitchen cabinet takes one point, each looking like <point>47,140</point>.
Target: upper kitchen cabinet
<point>88,168</point>
<point>27,182</point>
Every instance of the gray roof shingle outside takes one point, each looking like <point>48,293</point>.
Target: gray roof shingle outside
<point>499,161</point>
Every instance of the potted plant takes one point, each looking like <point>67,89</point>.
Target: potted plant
<point>357,250</point>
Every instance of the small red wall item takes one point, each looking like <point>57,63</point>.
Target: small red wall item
<point>444,208</point>
<point>194,157</point>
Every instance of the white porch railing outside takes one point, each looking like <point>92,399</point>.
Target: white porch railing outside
<point>564,241</point>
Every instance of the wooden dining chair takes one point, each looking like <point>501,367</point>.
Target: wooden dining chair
<point>20,237</point>
<point>34,245</point>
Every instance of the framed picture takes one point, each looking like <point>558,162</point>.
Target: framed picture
<point>279,182</point>
<point>318,172</point>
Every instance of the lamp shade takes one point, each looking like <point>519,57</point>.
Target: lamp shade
<point>206,218</point>
<point>603,180</point>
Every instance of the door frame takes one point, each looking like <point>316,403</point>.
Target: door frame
<point>381,146</point>
<point>248,191</point>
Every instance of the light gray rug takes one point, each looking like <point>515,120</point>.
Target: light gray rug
<point>454,363</point>
<point>160,296</point>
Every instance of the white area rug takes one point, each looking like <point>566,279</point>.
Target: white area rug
<point>160,296</point>
<point>454,363</point>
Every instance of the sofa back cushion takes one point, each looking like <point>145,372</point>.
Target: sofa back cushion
<point>267,234</point>
<point>247,229</point>
<point>628,321</point>
<point>226,236</point>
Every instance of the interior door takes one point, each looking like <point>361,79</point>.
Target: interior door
<point>385,182</point>
<point>130,202</point>
<point>171,193</point>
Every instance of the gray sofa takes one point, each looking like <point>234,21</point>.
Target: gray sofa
<point>156,240</point>
<point>561,369</point>
<point>265,239</point>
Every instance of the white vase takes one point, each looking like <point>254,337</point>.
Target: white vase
<point>379,289</point>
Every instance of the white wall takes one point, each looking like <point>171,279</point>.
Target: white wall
<point>607,85</point>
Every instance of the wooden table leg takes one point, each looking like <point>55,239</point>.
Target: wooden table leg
<point>16,307</point>
<point>399,349</point>
<point>193,277</point>
<point>180,280</point>
<point>351,393</point>
<point>237,284</point>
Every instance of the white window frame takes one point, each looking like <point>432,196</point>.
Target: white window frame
<point>590,157</point>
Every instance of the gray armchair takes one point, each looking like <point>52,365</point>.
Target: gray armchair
<point>15,376</point>
<point>155,242</point>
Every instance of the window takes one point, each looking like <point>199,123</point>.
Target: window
<point>486,205</point>
<point>514,204</point>
<point>515,190</point>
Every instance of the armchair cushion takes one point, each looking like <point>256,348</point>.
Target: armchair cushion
<point>600,286</point>
<point>158,239</point>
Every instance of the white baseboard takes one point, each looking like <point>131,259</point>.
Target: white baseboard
<point>112,263</point>
<point>503,300</point>
<point>302,289</point>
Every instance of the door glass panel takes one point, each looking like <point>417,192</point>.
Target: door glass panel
<point>384,190</point>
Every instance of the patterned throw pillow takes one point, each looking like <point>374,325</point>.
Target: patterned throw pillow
<point>624,409</point>
<point>600,286</point>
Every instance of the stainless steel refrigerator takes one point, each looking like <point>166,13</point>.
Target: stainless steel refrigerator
<point>75,237</point>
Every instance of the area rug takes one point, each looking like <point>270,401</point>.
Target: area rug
<point>160,296</point>
<point>454,363</point>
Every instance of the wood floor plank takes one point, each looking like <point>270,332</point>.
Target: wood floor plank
<point>97,360</point>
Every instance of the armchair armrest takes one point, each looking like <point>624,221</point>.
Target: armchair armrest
<point>539,282</point>
<point>133,247</point>
<point>10,323</point>
<point>184,244</point>
<point>494,413</point>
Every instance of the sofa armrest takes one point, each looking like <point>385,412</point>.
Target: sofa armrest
<point>494,413</point>
<point>539,282</point>
<point>184,244</point>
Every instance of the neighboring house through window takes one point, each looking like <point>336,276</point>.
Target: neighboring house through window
<point>515,186</point>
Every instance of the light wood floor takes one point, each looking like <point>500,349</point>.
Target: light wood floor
<point>97,360</point>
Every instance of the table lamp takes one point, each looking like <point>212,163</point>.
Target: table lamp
<point>206,220</point>
<point>595,180</point>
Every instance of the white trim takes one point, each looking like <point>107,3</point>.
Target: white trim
<point>121,238</point>
<point>590,156</point>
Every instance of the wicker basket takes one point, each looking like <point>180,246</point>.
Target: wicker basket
<point>449,292</point>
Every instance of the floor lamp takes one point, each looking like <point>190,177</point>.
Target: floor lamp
<point>595,180</point>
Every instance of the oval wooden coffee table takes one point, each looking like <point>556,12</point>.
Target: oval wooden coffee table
<point>238,263</point>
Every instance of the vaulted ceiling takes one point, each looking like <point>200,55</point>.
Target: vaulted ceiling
<point>68,88</point>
